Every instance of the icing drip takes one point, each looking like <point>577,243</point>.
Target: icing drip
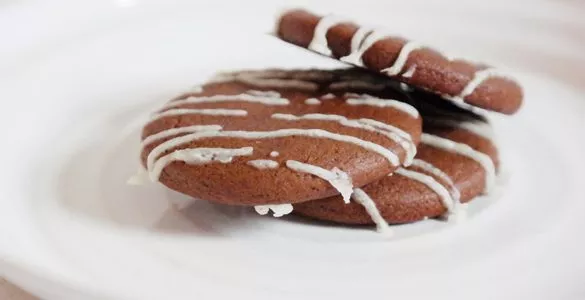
<point>328,96</point>
<point>262,164</point>
<point>313,133</point>
<point>274,154</point>
<point>409,72</point>
<point>358,38</point>
<point>336,177</point>
<point>478,78</point>
<point>203,111</point>
<point>405,87</point>
<point>430,182</point>
<point>319,42</point>
<point>378,102</point>
<point>180,130</point>
<point>357,84</point>
<point>195,89</point>
<point>198,156</point>
<point>398,65</point>
<point>279,210</point>
<point>396,135</point>
<point>312,101</point>
<point>364,199</point>
<point>355,57</point>
<point>140,178</point>
<point>463,149</point>
<point>245,97</point>
<point>430,168</point>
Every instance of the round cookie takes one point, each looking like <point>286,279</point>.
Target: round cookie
<point>465,83</point>
<point>456,161</point>
<point>275,136</point>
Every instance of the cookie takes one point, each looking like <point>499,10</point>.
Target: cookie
<point>456,161</point>
<point>274,136</point>
<point>467,84</point>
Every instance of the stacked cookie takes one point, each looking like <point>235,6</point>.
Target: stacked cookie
<point>395,139</point>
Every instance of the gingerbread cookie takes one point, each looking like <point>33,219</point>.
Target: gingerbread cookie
<point>467,84</point>
<point>279,137</point>
<point>456,161</point>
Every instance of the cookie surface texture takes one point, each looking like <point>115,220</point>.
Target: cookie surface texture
<point>456,162</point>
<point>275,136</point>
<point>465,83</point>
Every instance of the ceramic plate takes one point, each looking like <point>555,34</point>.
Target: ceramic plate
<point>78,81</point>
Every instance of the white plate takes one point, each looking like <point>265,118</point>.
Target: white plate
<point>77,88</point>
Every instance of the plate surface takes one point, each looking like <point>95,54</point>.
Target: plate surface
<point>70,228</point>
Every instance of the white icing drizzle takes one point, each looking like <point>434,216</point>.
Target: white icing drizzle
<point>364,199</point>
<point>405,87</point>
<point>313,133</point>
<point>398,65</point>
<point>319,42</point>
<point>179,130</point>
<point>271,94</point>
<point>195,89</point>
<point>358,38</point>
<point>355,57</point>
<point>378,102</point>
<point>430,168</point>
<point>478,78</point>
<point>198,156</point>
<point>336,177</point>
<point>409,72</point>
<point>202,111</point>
<point>395,134</point>
<point>266,99</point>
<point>140,178</point>
<point>312,101</point>
<point>430,182</point>
<point>328,96</point>
<point>274,154</point>
<point>357,84</point>
<point>262,164</point>
<point>463,149</point>
<point>279,210</point>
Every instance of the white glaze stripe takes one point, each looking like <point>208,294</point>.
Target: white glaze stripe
<point>202,111</point>
<point>262,164</point>
<point>364,124</point>
<point>312,101</point>
<point>398,65</point>
<point>355,57</point>
<point>463,149</point>
<point>336,177</point>
<point>364,199</point>
<point>478,78</point>
<point>179,130</point>
<point>245,97</point>
<point>430,168</point>
<point>197,156</point>
<point>313,133</point>
<point>430,182</point>
<point>409,72</point>
<point>319,42</point>
<point>378,102</point>
<point>279,210</point>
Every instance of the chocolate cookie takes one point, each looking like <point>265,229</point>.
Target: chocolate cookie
<point>275,136</point>
<point>465,83</point>
<point>456,161</point>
